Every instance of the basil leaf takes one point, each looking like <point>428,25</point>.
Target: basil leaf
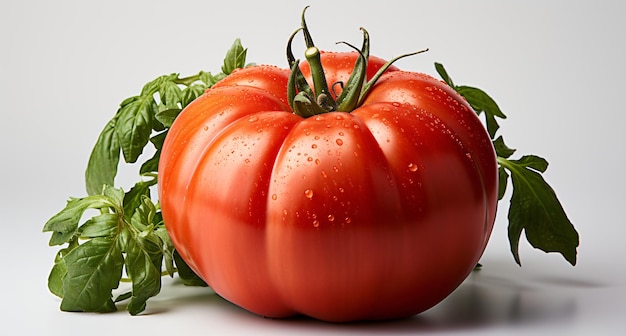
<point>168,248</point>
<point>167,115</point>
<point>64,225</point>
<point>192,92</point>
<point>210,79</point>
<point>134,126</point>
<point>536,210</point>
<point>235,58</point>
<point>152,165</point>
<point>104,159</point>
<point>94,269</point>
<point>143,264</point>
<point>144,257</point>
<point>129,230</point>
<point>134,197</point>
<point>186,274</point>
<point>103,225</point>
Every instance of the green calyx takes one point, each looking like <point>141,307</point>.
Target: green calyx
<point>306,101</point>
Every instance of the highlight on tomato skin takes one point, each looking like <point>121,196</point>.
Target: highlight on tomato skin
<point>374,214</point>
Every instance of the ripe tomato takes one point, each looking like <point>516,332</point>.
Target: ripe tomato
<point>373,214</point>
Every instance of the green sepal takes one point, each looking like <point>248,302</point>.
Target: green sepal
<point>349,97</point>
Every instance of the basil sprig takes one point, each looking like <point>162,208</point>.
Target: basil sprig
<point>125,238</point>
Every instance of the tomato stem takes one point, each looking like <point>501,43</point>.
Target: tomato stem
<point>306,101</point>
<point>320,86</point>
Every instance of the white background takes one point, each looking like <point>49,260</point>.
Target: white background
<point>556,68</point>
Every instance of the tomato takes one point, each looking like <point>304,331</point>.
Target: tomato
<point>376,213</point>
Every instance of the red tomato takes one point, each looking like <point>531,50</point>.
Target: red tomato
<point>374,214</point>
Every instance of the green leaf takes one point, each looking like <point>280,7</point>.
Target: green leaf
<point>143,264</point>
<point>154,85</point>
<point>478,99</point>
<point>143,216</point>
<point>210,79</point>
<point>444,74</point>
<point>482,102</point>
<point>64,225</point>
<point>55,278</point>
<point>170,94</point>
<point>186,274</point>
<point>103,225</point>
<point>536,210</point>
<point>166,116</point>
<point>192,92</point>
<point>134,126</point>
<point>502,150</point>
<point>152,165</point>
<point>114,196</point>
<point>134,197</point>
<point>104,159</point>
<point>94,269</point>
<point>144,257</point>
<point>503,178</point>
<point>168,248</point>
<point>235,58</point>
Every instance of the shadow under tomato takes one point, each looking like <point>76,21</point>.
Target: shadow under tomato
<point>478,303</point>
<point>486,299</point>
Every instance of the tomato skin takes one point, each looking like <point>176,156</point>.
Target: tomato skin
<point>375,214</point>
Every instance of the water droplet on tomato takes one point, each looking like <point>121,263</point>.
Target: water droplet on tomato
<point>324,175</point>
<point>331,218</point>
<point>412,167</point>
<point>313,146</point>
<point>339,142</point>
<point>396,104</point>
<point>310,159</point>
<point>253,118</point>
<point>308,193</point>
<point>348,220</point>
<point>316,223</point>
<point>274,197</point>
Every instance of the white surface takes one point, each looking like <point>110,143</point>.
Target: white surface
<point>556,68</point>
